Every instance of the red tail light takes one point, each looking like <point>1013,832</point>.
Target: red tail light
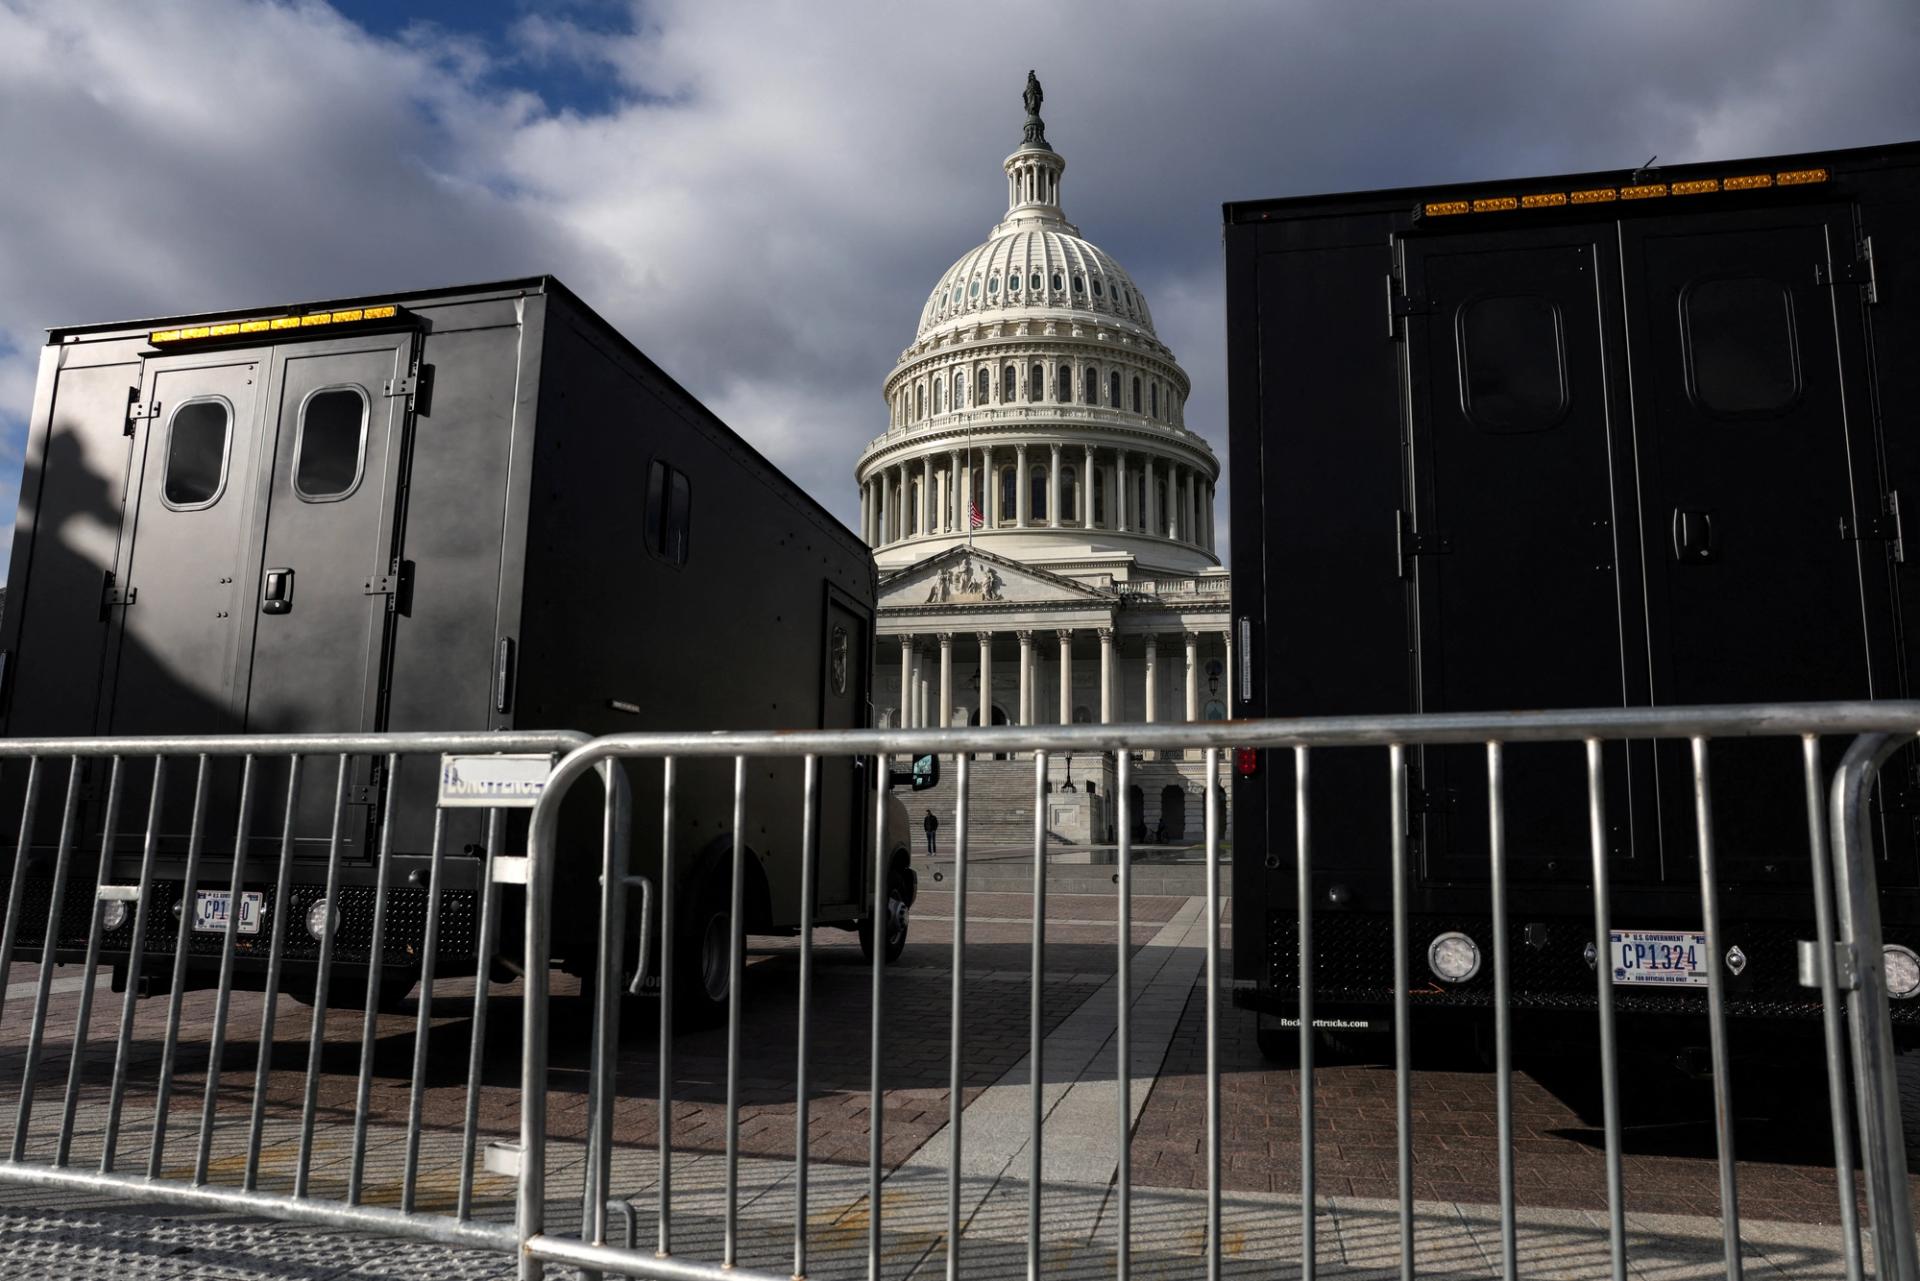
<point>1246,761</point>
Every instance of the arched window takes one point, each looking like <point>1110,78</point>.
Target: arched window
<point>1069,498</point>
<point>1036,381</point>
<point>1099,496</point>
<point>1155,393</point>
<point>1013,282</point>
<point>1090,386</point>
<point>939,390</point>
<point>1008,478</point>
<point>1136,393</point>
<point>1009,390</point>
<point>920,402</point>
<point>993,286</point>
<point>1036,493</point>
<point>973,290</point>
<point>1035,282</point>
<point>1079,283</point>
<point>1096,286</point>
<point>983,392</point>
<point>1058,283</point>
<point>959,389</point>
<point>913,506</point>
<point>1160,506</point>
<point>1113,389</point>
<point>1063,383</point>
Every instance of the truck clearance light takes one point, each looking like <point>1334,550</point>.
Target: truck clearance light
<point>1633,191</point>
<point>1246,761</point>
<point>229,329</point>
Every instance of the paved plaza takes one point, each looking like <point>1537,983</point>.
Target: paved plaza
<point>1787,1194</point>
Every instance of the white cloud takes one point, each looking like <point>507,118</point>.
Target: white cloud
<point>774,186</point>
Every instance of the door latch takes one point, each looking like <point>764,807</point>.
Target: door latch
<point>277,596</point>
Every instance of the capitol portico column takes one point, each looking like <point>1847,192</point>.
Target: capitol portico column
<point>906,682</point>
<point>1026,677</point>
<point>1106,675</point>
<point>946,679</point>
<point>1193,676</point>
<point>1021,487</point>
<point>1121,496</point>
<point>986,677</point>
<point>956,506</point>
<point>1053,489</point>
<point>906,503</point>
<point>886,509</point>
<point>1066,676</point>
<point>1153,675</point>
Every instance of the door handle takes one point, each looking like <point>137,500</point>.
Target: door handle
<point>277,596</point>
<point>1692,536</point>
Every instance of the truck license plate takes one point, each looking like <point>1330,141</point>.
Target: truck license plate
<point>210,909</point>
<point>1659,958</point>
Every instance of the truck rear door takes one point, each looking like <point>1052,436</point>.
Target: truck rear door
<point>1518,486</point>
<point>1761,501</point>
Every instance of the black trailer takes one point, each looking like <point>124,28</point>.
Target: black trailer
<point>1598,440</point>
<point>475,508</point>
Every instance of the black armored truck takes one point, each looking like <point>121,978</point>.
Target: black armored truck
<point>1628,439</point>
<point>464,509</point>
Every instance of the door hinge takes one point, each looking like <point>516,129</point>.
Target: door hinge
<point>396,585</point>
<point>416,385</point>
<point>1883,528</point>
<point>1410,544</point>
<point>1401,303</point>
<point>137,411</point>
<point>1860,271</point>
<point>111,594</point>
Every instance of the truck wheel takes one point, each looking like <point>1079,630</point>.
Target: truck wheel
<point>1279,1046</point>
<point>701,961</point>
<point>899,901</point>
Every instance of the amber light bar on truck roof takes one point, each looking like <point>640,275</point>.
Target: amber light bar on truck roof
<point>1636,191</point>
<point>270,325</point>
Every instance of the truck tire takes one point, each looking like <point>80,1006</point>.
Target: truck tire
<point>1279,1046</point>
<point>899,903</point>
<point>700,957</point>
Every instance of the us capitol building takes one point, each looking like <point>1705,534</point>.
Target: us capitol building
<point>1041,517</point>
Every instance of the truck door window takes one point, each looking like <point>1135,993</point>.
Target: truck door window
<point>331,445</point>
<point>669,512</point>
<point>197,441</point>
<point>1742,357</point>
<point>1512,363</point>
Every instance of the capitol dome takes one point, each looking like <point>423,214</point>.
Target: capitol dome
<point>1037,414</point>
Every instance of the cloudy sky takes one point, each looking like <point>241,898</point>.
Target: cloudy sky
<point>761,194</point>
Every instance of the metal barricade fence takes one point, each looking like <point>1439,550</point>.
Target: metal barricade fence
<point>1843,959</point>
<point>329,789</point>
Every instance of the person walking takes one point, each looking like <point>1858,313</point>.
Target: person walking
<point>931,825</point>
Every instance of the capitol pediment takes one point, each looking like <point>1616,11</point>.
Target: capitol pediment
<point>970,576</point>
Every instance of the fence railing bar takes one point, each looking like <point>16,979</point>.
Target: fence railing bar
<point>76,1059</point>
<point>1603,980</point>
<point>1402,1000</point>
<point>668,911</point>
<point>1036,1052</point>
<point>1502,1002</point>
<point>1303,894</point>
<point>803,1052</point>
<point>956,1025</point>
<point>1123,1042</point>
<point>736,945</point>
<point>876,1115</point>
<point>10,931</point>
<point>376,955</point>
<point>1213,1014</point>
<point>329,930</point>
<point>1833,1035</point>
<point>1716,1008</point>
<point>183,937</point>
<point>423,1017</point>
<point>223,995</point>
<point>43,984</point>
<point>136,953</point>
<point>276,953</point>
<point>1876,1088</point>
<point>482,994</point>
<point>597,1176</point>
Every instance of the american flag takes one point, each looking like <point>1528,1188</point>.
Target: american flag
<point>974,519</point>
